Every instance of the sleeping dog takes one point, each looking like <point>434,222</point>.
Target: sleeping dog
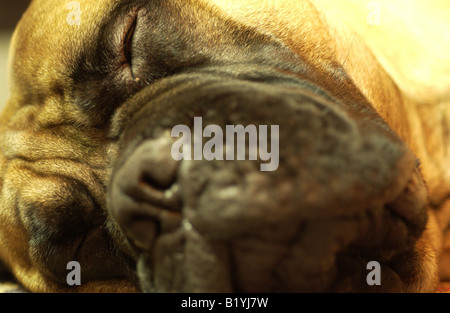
<point>94,171</point>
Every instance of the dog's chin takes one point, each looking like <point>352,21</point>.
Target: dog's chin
<point>222,279</point>
<point>280,258</point>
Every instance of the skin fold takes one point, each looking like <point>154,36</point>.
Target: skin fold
<point>85,143</point>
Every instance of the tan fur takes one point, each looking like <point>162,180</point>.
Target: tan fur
<point>410,90</point>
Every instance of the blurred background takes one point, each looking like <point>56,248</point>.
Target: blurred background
<point>10,13</point>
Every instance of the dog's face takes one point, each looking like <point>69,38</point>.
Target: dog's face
<point>88,174</point>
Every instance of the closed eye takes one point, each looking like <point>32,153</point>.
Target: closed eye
<point>127,48</point>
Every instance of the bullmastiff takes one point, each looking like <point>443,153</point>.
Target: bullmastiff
<point>87,173</point>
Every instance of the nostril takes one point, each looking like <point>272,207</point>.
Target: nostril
<point>142,231</point>
<point>143,224</point>
<point>157,183</point>
<point>144,194</point>
<point>161,193</point>
<point>149,175</point>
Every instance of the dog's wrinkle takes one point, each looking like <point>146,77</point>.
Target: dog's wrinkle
<point>93,190</point>
<point>382,235</point>
<point>49,126</point>
<point>137,106</point>
<point>256,72</point>
<point>71,239</point>
<point>233,268</point>
<point>260,272</point>
<point>291,245</point>
<point>347,280</point>
<point>85,174</point>
<point>19,145</point>
<point>179,55</point>
<point>410,203</point>
<point>64,160</point>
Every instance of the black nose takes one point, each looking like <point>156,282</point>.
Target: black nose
<point>345,186</point>
<point>145,199</point>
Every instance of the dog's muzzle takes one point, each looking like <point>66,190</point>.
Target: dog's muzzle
<point>346,190</point>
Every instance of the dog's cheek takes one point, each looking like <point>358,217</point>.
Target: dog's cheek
<point>54,214</point>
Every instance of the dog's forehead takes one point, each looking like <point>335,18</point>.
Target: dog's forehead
<point>54,33</point>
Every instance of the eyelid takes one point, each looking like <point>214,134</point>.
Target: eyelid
<point>128,39</point>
